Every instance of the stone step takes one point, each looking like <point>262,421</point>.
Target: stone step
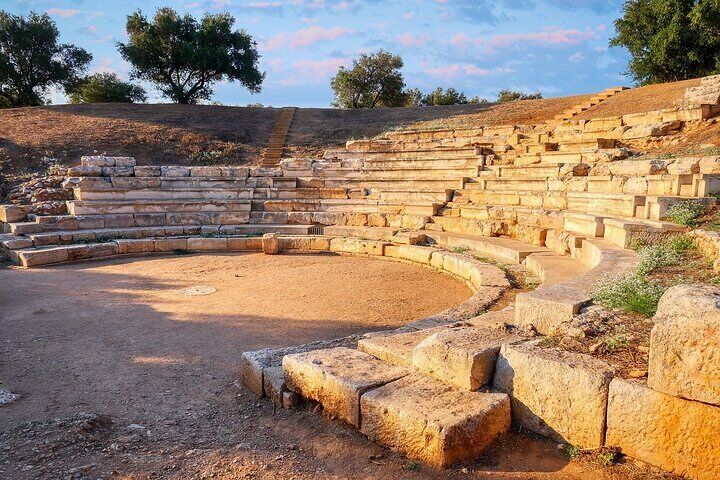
<point>624,205</point>
<point>337,378</point>
<point>300,193</point>
<point>492,247</point>
<point>385,163</point>
<point>456,153</point>
<point>395,173</point>
<point>155,206</point>
<point>550,308</point>
<point>350,205</point>
<point>429,421</point>
<point>169,194</point>
<point>165,183</point>
<point>393,184</point>
<point>69,237</point>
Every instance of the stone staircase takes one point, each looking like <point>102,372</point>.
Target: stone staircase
<point>595,100</point>
<point>278,136</point>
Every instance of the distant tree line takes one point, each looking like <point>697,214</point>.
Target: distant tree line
<point>375,80</point>
<point>183,58</point>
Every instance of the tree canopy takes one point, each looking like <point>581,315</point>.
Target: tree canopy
<point>184,57</point>
<point>373,80</point>
<point>32,61</point>
<point>106,88</point>
<point>670,40</point>
<point>513,95</point>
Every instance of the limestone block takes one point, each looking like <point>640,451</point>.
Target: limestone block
<point>396,348</point>
<point>170,244</point>
<point>685,344</point>
<point>207,244</point>
<point>350,245</point>
<point>337,377</point>
<point>684,166</point>
<point>97,161</point>
<point>636,185</point>
<point>555,393</point>
<point>205,172</point>
<point>97,250</point>
<point>85,171</point>
<point>234,172</point>
<point>652,130</point>
<point>274,384</point>
<point>411,253</point>
<point>118,171</point>
<point>377,220</point>
<point>140,245</point>
<point>148,171</point>
<point>174,171</point>
<point>266,172</point>
<point>433,422</point>
<point>672,433</point>
<point>14,213</point>
<point>710,165</point>
<point>36,258</point>
<point>270,244</point>
<point>463,356</point>
<point>628,168</point>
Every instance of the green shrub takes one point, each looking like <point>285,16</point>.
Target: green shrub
<point>685,213</point>
<point>460,249</point>
<point>571,451</point>
<point>631,292</point>
<point>654,256</point>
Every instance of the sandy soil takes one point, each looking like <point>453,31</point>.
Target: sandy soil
<point>641,99</point>
<point>123,375</point>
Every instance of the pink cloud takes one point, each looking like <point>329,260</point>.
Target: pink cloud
<point>548,37</point>
<point>320,68</point>
<point>407,39</point>
<point>304,37</point>
<point>457,69</point>
<point>309,35</point>
<point>64,12</point>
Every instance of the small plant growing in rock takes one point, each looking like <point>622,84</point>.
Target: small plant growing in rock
<point>618,339</point>
<point>685,213</point>
<point>460,249</point>
<point>570,451</point>
<point>607,458</point>
<point>414,466</point>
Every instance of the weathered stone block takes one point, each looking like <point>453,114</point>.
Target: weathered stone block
<point>242,244</point>
<point>337,377</point>
<point>270,244</point>
<point>36,258</point>
<point>85,171</point>
<point>672,433</point>
<point>558,394</point>
<point>205,172</point>
<point>411,253</point>
<point>170,244</point>
<point>396,348</point>
<point>685,344</point>
<point>364,247</point>
<point>175,171</point>
<point>433,422</point>
<point>207,244</point>
<point>140,245</point>
<point>463,356</point>
<point>274,384</point>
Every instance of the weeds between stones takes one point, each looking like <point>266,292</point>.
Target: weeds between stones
<point>686,212</point>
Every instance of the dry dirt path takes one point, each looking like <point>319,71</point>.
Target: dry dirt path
<point>124,375</point>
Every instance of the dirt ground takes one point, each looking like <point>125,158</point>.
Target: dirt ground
<point>124,375</point>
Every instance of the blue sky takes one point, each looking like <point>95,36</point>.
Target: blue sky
<point>557,47</point>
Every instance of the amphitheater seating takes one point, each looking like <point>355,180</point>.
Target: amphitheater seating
<point>565,199</point>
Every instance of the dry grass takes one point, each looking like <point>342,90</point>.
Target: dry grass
<point>641,99</point>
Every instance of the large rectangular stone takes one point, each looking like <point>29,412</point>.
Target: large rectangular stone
<point>463,356</point>
<point>170,244</point>
<point>672,433</point>
<point>558,394</point>
<point>685,344</point>
<point>410,253</point>
<point>396,348</point>
<point>351,245</point>
<point>207,244</point>
<point>140,245</point>
<point>36,258</point>
<point>433,422</point>
<point>337,377</point>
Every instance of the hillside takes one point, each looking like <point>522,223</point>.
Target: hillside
<point>207,135</point>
